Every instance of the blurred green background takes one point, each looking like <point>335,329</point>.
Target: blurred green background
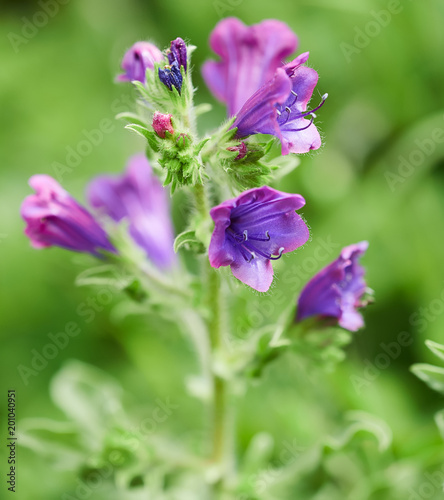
<point>386,101</point>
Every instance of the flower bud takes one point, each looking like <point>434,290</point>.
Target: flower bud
<point>162,123</point>
<point>183,141</point>
<point>171,76</point>
<point>241,149</point>
<point>140,57</point>
<point>178,52</point>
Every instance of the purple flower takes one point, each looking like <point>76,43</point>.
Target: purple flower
<point>54,218</point>
<point>252,230</point>
<point>279,108</point>
<point>178,52</point>
<point>139,197</point>
<point>140,57</point>
<point>249,56</point>
<point>171,76</point>
<point>337,290</point>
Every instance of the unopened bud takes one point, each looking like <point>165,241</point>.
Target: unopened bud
<point>162,123</point>
<point>183,141</point>
<point>241,149</point>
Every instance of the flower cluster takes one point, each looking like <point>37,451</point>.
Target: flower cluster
<point>246,231</point>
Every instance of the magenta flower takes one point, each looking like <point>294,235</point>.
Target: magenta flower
<point>337,290</point>
<point>53,218</point>
<point>140,57</point>
<point>252,230</point>
<point>249,56</point>
<point>279,108</point>
<point>139,197</point>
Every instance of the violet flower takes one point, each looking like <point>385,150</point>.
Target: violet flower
<point>54,218</point>
<point>140,57</point>
<point>139,197</point>
<point>249,56</point>
<point>252,230</point>
<point>337,290</point>
<point>279,108</point>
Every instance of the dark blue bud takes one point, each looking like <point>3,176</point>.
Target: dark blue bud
<point>178,53</point>
<point>171,76</point>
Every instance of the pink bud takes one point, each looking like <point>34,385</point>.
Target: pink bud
<point>162,123</point>
<point>241,149</point>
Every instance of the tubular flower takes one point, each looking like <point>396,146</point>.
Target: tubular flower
<point>54,218</point>
<point>140,57</point>
<point>254,229</point>
<point>337,290</point>
<point>139,197</point>
<point>249,56</point>
<point>279,108</point>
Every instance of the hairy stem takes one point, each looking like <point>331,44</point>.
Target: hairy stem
<point>221,440</point>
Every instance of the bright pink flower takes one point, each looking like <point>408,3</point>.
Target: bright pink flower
<point>54,218</point>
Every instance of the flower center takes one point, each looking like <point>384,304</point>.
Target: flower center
<point>248,244</point>
<point>288,112</point>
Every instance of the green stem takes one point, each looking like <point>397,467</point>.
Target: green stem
<point>219,384</point>
<point>220,409</point>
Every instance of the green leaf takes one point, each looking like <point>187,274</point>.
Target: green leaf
<point>131,118</point>
<point>439,419</point>
<point>437,349</point>
<point>201,109</point>
<point>149,135</point>
<point>366,422</point>
<point>187,238</point>
<point>433,376</point>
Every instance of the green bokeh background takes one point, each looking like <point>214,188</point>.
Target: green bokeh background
<point>384,100</point>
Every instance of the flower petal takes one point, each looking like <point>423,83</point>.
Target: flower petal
<point>139,197</point>
<point>249,57</point>
<point>258,273</point>
<point>259,114</point>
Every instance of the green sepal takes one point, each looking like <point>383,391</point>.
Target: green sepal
<point>149,135</point>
